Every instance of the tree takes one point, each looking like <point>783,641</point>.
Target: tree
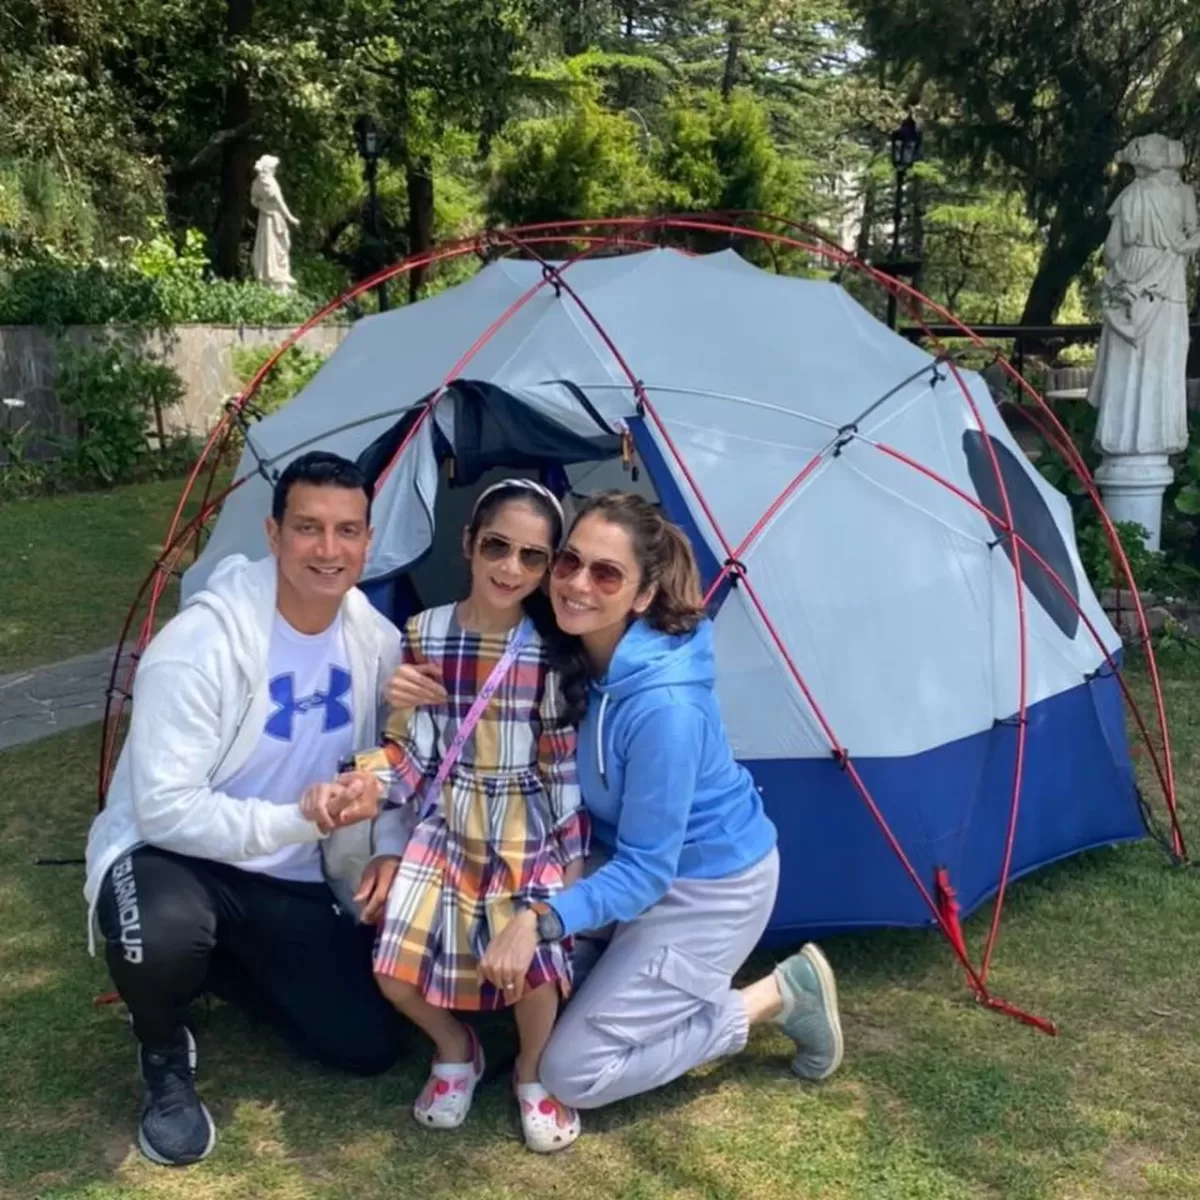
<point>1046,93</point>
<point>76,170</point>
<point>586,163</point>
<point>434,69</point>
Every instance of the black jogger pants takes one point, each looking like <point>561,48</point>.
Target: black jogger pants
<point>175,927</point>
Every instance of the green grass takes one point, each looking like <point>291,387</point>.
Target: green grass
<point>938,1099</point>
<point>72,566</point>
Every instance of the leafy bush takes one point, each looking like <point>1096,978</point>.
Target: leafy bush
<point>1170,571</point>
<point>115,392</point>
<point>587,163</point>
<point>289,376</point>
<point>160,285</point>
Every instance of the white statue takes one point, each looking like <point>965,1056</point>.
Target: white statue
<point>273,241</point>
<point>1140,384</point>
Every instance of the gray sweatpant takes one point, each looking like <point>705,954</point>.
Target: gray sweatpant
<point>658,1002</point>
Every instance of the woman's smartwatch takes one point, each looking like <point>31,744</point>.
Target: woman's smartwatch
<point>549,923</point>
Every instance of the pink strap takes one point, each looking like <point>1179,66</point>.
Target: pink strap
<point>515,646</point>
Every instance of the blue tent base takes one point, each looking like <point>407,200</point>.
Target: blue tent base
<point>948,807</point>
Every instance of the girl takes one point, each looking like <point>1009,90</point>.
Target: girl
<point>500,825</point>
<point>691,866</point>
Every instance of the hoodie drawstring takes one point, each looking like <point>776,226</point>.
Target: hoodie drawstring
<point>600,738</point>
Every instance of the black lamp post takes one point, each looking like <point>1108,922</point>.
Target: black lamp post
<point>906,149</point>
<point>367,138</point>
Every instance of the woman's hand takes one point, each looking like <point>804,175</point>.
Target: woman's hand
<point>507,959</point>
<point>416,685</point>
<point>376,882</point>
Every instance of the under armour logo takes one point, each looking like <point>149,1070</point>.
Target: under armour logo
<point>283,694</point>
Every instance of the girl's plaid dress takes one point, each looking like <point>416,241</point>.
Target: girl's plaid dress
<point>508,822</point>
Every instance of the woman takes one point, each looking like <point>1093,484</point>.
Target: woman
<point>692,866</point>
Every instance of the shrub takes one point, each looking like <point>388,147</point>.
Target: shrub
<point>289,376</point>
<point>161,284</point>
<point>115,392</point>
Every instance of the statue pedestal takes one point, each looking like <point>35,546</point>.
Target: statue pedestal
<point>1132,486</point>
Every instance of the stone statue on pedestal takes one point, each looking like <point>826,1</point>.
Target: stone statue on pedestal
<point>273,241</point>
<point>1140,385</point>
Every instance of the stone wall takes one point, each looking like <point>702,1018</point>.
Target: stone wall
<point>202,354</point>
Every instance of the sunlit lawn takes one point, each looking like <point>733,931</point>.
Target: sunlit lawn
<point>937,1099</point>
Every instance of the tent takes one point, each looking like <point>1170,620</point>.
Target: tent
<point>912,715</point>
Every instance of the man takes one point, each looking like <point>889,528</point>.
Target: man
<point>231,855</point>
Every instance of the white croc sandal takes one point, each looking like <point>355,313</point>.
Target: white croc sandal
<point>548,1125</point>
<point>446,1097</point>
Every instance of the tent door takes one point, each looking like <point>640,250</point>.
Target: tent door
<point>488,434</point>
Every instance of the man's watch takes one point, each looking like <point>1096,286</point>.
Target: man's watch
<point>549,923</point>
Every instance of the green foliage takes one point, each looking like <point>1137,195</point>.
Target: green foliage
<point>287,378</point>
<point>1044,95</point>
<point>158,285</point>
<point>588,163</point>
<point>720,155</point>
<point>1148,567</point>
<point>980,249</point>
<point>1171,571</point>
<point>1187,478</point>
<point>115,392</point>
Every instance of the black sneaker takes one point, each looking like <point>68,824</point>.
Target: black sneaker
<point>176,1128</point>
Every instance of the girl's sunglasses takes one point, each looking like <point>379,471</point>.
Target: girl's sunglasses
<point>495,547</point>
<point>607,578</point>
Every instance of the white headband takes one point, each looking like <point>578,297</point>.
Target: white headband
<point>530,485</point>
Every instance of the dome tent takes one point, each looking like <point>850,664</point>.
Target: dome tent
<point>869,631</point>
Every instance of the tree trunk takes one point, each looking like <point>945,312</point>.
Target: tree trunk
<point>575,28</point>
<point>732,50</point>
<point>418,175</point>
<point>915,198</point>
<point>1070,241</point>
<point>862,245</point>
<point>236,155</point>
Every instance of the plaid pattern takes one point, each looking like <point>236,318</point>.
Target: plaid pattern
<point>508,821</point>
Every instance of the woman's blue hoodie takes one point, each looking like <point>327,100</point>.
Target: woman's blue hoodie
<point>665,794</point>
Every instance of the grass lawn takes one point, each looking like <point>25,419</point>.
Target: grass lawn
<point>72,566</point>
<point>937,1099</point>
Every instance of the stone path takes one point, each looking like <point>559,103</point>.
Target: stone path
<point>41,701</point>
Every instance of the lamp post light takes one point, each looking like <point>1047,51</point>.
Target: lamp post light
<point>367,138</point>
<point>906,150</point>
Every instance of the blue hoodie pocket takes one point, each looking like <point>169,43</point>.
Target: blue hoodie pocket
<point>670,989</point>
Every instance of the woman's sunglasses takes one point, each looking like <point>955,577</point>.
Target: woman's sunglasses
<point>495,547</point>
<point>607,578</point>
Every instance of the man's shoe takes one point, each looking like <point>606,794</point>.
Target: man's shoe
<point>810,1013</point>
<point>175,1129</point>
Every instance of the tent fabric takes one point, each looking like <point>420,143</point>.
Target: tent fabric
<point>893,598</point>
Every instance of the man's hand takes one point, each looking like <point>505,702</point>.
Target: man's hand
<point>360,798</point>
<point>372,893</point>
<point>322,803</point>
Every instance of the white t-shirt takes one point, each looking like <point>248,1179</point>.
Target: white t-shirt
<point>309,730</point>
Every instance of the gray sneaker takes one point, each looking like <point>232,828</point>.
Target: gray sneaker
<point>176,1128</point>
<point>810,1012</point>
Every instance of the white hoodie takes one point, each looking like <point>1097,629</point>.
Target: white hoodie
<point>200,699</point>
